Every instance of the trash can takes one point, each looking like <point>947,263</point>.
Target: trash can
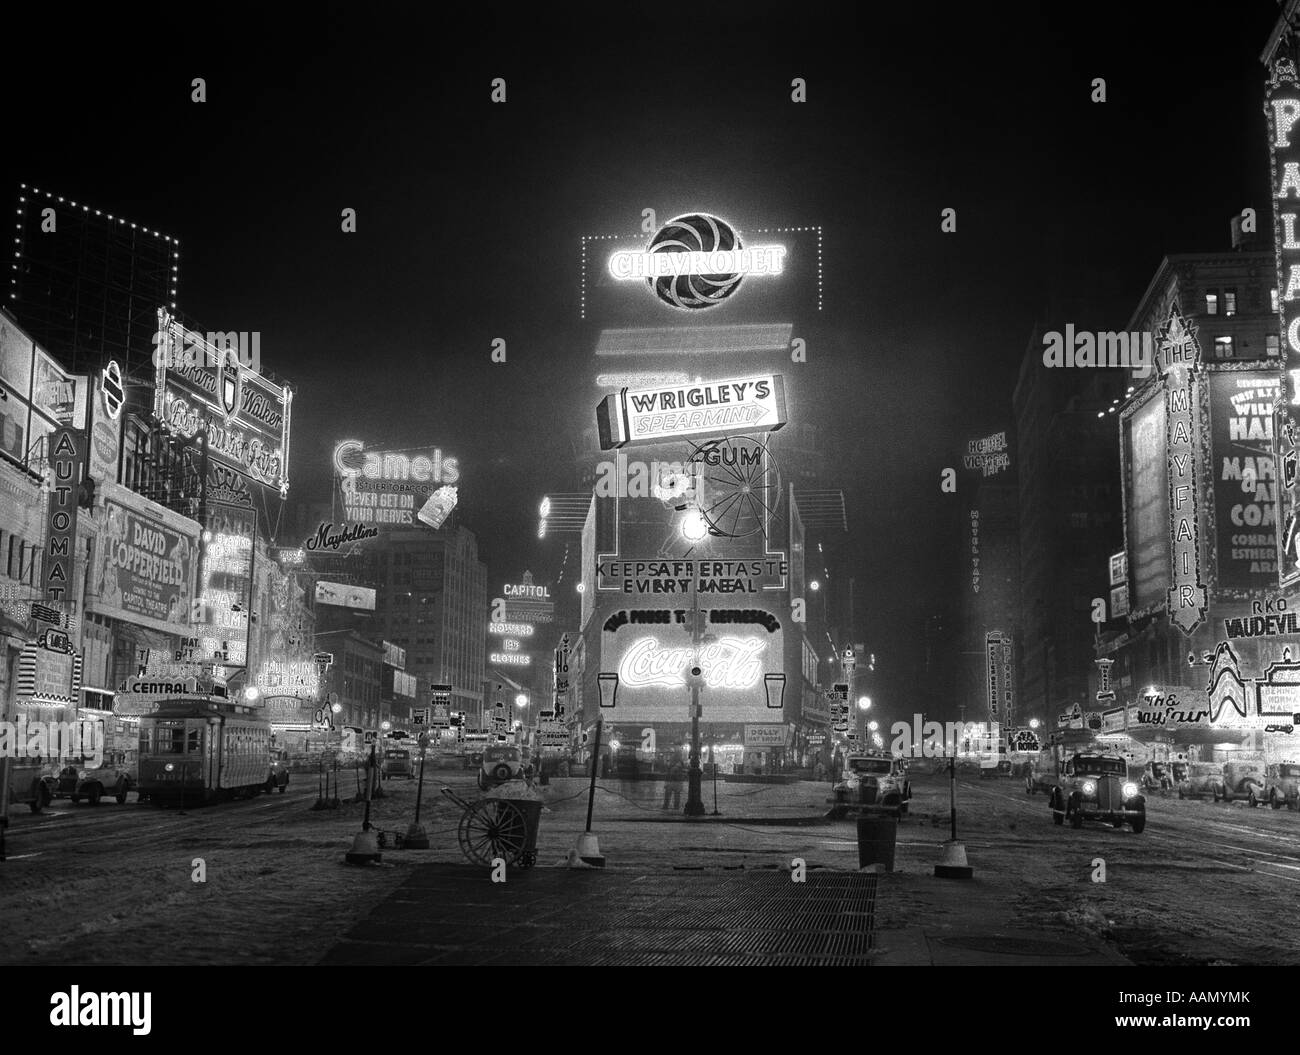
<point>877,837</point>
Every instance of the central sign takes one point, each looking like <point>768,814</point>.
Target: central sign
<point>696,261</point>
<point>713,408</point>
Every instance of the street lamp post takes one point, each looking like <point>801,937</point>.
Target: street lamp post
<point>695,529</point>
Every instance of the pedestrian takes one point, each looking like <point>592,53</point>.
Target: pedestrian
<point>819,773</point>
<point>673,785</point>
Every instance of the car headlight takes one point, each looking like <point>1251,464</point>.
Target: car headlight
<point>1130,789</point>
<point>1089,787</point>
<point>169,767</point>
<point>83,774</point>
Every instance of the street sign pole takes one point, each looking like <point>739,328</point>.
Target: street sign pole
<point>416,837</point>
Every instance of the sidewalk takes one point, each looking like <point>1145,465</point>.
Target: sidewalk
<point>454,914</point>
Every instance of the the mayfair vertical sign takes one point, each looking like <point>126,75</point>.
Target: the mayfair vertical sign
<point>67,450</point>
<point>1179,356</point>
<point>1282,108</point>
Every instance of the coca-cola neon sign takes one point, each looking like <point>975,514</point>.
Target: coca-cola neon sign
<point>728,663</point>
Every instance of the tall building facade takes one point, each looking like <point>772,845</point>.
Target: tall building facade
<point>431,600</point>
<point>1069,519</point>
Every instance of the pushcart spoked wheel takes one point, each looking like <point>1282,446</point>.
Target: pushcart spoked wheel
<point>490,829</point>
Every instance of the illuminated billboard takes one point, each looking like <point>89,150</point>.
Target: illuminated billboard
<point>219,631</point>
<point>1146,501</point>
<point>714,408</point>
<point>37,396</point>
<point>245,416</point>
<point>651,650</point>
<point>394,487</point>
<point>344,595</point>
<point>1244,479</point>
<point>144,564</point>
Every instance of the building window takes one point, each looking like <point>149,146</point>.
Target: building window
<point>1211,303</point>
<point>1223,347</point>
<point>1272,299</point>
<point>1271,346</point>
<point>1229,302</point>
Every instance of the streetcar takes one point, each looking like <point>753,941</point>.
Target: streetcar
<point>204,750</point>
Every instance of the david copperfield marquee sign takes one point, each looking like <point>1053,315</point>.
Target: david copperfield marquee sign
<point>713,408</point>
<point>245,415</point>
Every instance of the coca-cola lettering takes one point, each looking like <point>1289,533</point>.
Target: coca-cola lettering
<point>729,663</point>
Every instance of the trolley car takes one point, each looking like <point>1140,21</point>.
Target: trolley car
<point>197,750</point>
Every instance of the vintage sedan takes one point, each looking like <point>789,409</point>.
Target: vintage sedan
<point>1201,779</point>
<point>1282,785</point>
<point>1240,780</point>
<point>1097,788</point>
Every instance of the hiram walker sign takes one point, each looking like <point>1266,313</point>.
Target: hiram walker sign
<point>713,408</point>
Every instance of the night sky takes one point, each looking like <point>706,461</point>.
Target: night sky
<point>469,213</point>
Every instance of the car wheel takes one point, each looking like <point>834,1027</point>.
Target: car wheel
<point>1251,801</point>
<point>1138,823</point>
<point>120,795</point>
<point>75,799</point>
<point>92,796</point>
<point>501,772</point>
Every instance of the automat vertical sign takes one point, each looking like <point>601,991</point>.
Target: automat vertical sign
<point>1282,109</point>
<point>67,450</point>
<point>1179,356</point>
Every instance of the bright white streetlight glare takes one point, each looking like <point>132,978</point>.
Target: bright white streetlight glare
<point>814,586</point>
<point>694,527</point>
<point>521,700</point>
<point>864,703</point>
<point>251,693</point>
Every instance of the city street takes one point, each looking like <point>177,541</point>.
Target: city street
<point>113,884</point>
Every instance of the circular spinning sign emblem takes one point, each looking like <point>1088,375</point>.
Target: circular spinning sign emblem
<point>695,233</point>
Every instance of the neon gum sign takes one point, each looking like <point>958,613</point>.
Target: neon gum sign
<point>730,663</point>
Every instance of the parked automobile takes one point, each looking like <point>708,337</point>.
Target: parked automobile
<point>1240,780</point>
<point>81,780</point>
<point>1282,785</point>
<point>1200,780</point>
<point>397,763</point>
<point>871,783</point>
<point>26,784</point>
<point>1157,776</point>
<point>1096,788</point>
<point>500,764</point>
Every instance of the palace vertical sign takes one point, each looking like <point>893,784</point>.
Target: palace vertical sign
<point>66,454</point>
<point>1179,356</point>
<point>1282,108</point>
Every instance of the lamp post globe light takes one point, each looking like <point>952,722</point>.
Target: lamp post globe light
<point>864,703</point>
